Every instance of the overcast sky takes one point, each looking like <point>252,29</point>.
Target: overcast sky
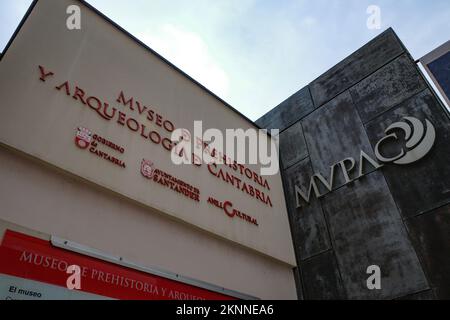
<point>256,53</point>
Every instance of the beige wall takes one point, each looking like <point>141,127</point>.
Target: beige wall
<point>49,185</point>
<point>41,121</point>
<point>46,200</point>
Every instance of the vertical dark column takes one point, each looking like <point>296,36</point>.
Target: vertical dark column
<point>396,217</point>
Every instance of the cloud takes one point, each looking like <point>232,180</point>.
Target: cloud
<point>11,13</point>
<point>309,21</point>
<point>189,52</point>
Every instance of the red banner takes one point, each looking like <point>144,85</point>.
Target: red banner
<point>36,259</point>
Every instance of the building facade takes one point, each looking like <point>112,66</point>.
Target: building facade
<point>374,205</point>
<point>86,151</point>
<point>88,178</point>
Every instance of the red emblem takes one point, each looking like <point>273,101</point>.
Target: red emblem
<point>83,137</point>
<point>147,168</point>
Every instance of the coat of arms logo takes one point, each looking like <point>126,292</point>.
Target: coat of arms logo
<point>147,168</point>
<point>83,137</point>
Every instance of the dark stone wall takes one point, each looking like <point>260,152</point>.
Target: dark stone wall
<point>397,217</point>
<point>431,236</point>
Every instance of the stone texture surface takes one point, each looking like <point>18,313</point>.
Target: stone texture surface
<point>392,84</point>
<point>356,67</point>
<point>321,278</point>
<point>333,133</point>
<point>298,283</point>
<point>431,235</point>
<point>288,112</point>
<point>396,217</point>
<point>366,229</point>
<point>292,146</point>
<point>308,224</point>
<point>423,185</point>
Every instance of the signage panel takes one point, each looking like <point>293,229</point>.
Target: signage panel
<point>31,268</point>
<point>96,103</point>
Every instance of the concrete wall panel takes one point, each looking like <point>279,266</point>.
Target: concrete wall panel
<point>366,229</point>
<point>386,88</point>
<point>423,185</point>
<point>321,278</point>
<point>356,67</point>
<point>308,225</point>
<point>431,235</point>
<point>288,112</point>
<point>292,145</point>
<point>333,133</point>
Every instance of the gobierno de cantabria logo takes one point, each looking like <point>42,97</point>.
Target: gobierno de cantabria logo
<point>86,139</point>
<point>83,137</point>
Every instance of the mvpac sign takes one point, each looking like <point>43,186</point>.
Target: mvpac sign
<point>419,141</point>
